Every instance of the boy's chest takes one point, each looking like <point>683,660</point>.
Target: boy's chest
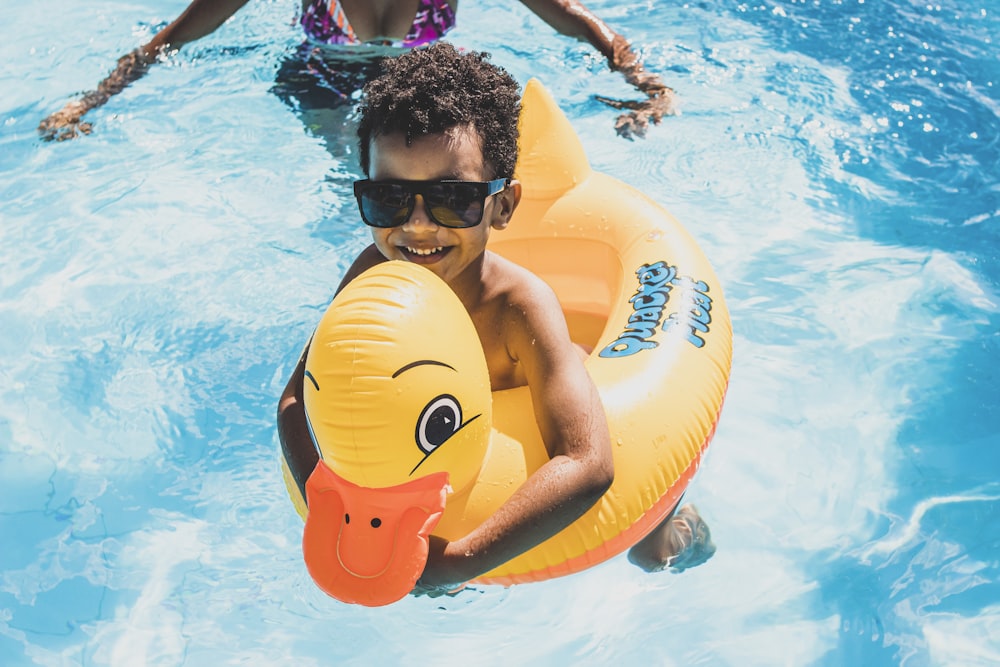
<point>505,371</point>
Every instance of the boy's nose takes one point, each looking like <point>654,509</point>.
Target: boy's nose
<point>419,217</point>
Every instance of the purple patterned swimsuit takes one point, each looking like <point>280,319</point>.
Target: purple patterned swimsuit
<point>324,22</point>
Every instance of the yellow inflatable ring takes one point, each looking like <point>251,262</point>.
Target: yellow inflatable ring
<point>411,439</point>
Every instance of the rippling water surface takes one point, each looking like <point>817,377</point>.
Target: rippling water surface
<point>837,161</point>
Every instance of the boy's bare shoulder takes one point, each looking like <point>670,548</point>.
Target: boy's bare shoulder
<point>527,321</point>
<point>526,310</point>
<point>365,260</point>
<point>519,287</point>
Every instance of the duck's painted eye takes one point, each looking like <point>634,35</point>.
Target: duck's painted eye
<point>438,422</point>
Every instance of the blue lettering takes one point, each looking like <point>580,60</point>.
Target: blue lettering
<point>641,300</point>
<point>646,315</point>
<point>624,346</point>
<point>655,273</point>
<point>695,312</point>
<point>656,282</point>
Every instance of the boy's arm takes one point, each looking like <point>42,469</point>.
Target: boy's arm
<point>199,19</point>
<point>293,431</point>
<point>573,19</point>
<point>573,425</point>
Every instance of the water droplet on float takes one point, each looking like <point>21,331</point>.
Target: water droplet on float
<point>654,235</point>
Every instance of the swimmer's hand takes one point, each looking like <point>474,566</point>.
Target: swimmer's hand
<point>660,99</point>
<point>641,113</point>
<point>67,123</point>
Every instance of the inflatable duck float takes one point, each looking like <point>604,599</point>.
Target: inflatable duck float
<point>413,442</point>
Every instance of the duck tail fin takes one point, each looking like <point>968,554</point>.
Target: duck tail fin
<point>551,160</point>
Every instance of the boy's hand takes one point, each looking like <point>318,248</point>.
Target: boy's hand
<point>421,590</point>
<point>440,576</point>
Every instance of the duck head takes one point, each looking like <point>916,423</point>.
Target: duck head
<point>398,401</point>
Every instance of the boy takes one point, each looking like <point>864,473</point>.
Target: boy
<point>438,138</point>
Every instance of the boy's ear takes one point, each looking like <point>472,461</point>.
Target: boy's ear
<point>506,202</point>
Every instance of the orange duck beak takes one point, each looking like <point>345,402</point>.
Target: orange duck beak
<point>369,546</point>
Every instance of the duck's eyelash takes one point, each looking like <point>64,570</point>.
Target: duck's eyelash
<point>313,380</point>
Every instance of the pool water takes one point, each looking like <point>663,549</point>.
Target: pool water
<point>836,159</point>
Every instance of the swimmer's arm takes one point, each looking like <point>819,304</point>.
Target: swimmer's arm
<point>573,425</point>
<point>202,17</point>
<point>573,19</point>
<point>199,19</point>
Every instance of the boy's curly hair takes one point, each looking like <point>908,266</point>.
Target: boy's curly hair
<point>428,91</point>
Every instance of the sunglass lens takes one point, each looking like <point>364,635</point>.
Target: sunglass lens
<point>455,204</point>
<point>386,204</point>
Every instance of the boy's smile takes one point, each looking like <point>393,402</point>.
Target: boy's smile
<point>454,155</point>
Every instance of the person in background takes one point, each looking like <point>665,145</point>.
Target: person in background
<point>360,32</point>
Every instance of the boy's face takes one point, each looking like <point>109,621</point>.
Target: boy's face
<point>454,155</point>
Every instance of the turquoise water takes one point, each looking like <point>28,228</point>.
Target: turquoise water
<point>837,161</point>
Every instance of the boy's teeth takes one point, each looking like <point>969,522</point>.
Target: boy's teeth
<point>428,251</point>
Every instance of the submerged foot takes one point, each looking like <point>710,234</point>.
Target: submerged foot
<point>697,539</point>
<point>681,542</point>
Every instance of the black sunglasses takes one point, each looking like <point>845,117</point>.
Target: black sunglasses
<point>456,204</point>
